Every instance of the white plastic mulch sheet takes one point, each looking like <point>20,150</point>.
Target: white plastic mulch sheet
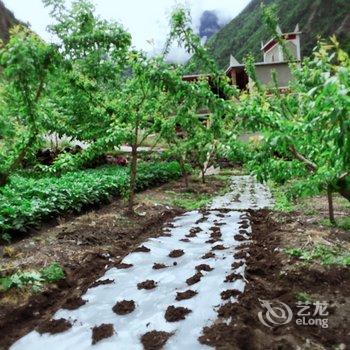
<point>246,193</point>
<point>152,304</point>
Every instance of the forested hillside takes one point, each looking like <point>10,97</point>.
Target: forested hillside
<point>315,17</point>
<point>7,20</point>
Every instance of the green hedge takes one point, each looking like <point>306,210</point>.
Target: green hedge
<point>26,201</point>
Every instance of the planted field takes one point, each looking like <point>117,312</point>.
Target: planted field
<point>142,207</point>
<point>28,200</point>
<point>172,284</point>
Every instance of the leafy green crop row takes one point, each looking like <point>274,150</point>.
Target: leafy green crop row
<point>25,201</point>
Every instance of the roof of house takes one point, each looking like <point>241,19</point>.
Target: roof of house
<point>279,31</point>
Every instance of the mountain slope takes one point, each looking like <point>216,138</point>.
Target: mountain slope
<point>315,17</point>
<point>7,20</point>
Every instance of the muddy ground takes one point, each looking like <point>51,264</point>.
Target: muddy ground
<point>274,276</point>
<point>85,246</point>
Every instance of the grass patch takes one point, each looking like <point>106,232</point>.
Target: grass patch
<point>197,195</point>
<point>343,223</point>
<point>190,202</point>
<point>323,254</point>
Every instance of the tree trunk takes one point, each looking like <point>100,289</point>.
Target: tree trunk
<point>184,172</point>
<point>33,133</point>
<point>133,167</point>
<point>203,174</point>
<point>133,174</point>
<point>343,187</point>
<point>3,179</point>
<point>6,174</point>
<point>343,183</point>
<point>330,205</point>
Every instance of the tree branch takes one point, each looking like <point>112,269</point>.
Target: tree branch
<point>309,164</point>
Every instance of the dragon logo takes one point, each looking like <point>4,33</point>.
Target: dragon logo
<point>276,313</point>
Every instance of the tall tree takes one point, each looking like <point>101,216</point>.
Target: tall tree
<point>307,132</point>
<point>95,64</point>
<point>27,63</point>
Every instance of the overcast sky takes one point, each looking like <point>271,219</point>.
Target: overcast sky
<point>146,20</point>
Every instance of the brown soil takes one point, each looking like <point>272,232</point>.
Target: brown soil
<point>123,266</point>
<point>239,238</point>
<point>191,235</point>
<point>219,247</point>
<point>219,223</point>
<point>227,294</point>
<point>204,218</point>
<point>244,226</point>
<point>168,226</point>
<point>155,340</point>
<point>101,283</point>
<point>73,303</point>
<point>244,246</point>
<point>174,314</point>
<point>176,253</point>
<point>149,284</point>
<point>185,295</point>
<point>157,266</point>
<point>203,267</point>
<point>165,235</point>
<point>101,332</point>
<point>193,232</point>
<point>232,277</point>
<point>194,279</point>
<point>213,240</point>
<point>54,326</point>
<point>243,222</point>
<point>124,307</point>
<point>237,264</point>
<point>208,255</point>
<point>216,233</point>
<point>274,276</point>
<point>142,249</point>
<point>215,229</point>
<point>243,232</point>
<point>240,254</point>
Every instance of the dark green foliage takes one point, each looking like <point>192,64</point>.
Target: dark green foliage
<point>25,201</point>
<point>236,151</point>
<point>52,273</point>
<point>315,17</point>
